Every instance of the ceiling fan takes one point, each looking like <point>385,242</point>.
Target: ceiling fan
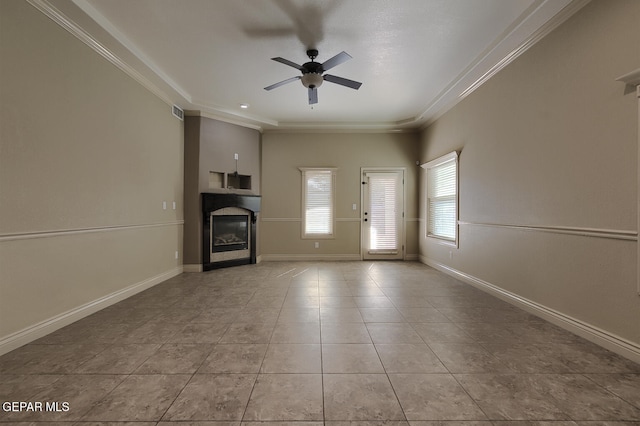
<point>312,73</point>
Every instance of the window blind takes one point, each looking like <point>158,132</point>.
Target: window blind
<point>318,208</point>
<point>384,230</point>
<point>442,200</point>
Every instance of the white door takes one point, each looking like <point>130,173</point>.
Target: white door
<point>382,214</point>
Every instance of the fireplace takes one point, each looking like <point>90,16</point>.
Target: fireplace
<point>229,232</point>
<point>229,229</point>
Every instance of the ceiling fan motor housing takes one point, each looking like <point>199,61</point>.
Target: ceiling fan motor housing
<point>312,71</point>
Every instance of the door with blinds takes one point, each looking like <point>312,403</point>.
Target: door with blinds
<point>382,214</point>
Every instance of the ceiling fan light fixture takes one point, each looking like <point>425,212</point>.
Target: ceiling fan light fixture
<point>311,80</point>
<point>312,74</point>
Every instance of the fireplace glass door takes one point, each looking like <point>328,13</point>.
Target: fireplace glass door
<point>229,233</point>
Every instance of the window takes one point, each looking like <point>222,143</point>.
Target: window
<point>442,198</point>
<point>318,202</point>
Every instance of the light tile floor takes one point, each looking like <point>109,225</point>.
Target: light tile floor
<point>393,342</point>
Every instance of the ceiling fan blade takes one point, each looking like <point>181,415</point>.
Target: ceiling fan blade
<point>283,82</point>
<point>342,81</point>
<point>313,96</point>
<point>336,60</point>
<point>288,62</point>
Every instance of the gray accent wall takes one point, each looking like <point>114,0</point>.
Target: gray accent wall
<point>210,146</point>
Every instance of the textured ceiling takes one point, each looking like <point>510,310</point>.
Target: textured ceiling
<point>415,58</point>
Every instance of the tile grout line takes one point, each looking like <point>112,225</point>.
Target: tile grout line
<point>375,348</point>
<point>253,387</point>
<point>586,375</point>
<point>195,371</point>
<point>324,414</point>
<point>444,365</point>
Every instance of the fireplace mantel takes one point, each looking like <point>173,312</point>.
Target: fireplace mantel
<point>216,201</point>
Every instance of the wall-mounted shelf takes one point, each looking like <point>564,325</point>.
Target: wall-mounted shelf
<point>216,180</point>
<point>631,79</point>
<point>236,181</point>
<point>221,180</point>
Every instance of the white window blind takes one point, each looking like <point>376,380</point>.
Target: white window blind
<point>442,197</point>
<point>318,202</point>
<point>384,230</point>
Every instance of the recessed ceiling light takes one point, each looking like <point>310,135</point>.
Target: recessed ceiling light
<point>244,106</point>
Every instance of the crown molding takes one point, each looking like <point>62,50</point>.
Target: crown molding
<point>343,128</point>
<point>69,25</point>
<point>551,25</point>
<point>446,100</point>
<point>440,106</point>
<point>199,107</point>
<point>238,121</point>
<point>61,19</point>
<point>232,116</point>
<point>101,20</point>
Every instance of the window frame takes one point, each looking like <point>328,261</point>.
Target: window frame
<point>447,158</point>
<point>305,173</point>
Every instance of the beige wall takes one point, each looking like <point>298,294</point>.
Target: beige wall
<point>551,141</point>
<point>210,146</point>
<point>87,157</point>
<point>284,153</point>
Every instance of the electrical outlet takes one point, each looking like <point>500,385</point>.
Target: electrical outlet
<point>235,156</point>
<point>177,254</point>
<point>174,205</point>
<point>354,207</point>
<point>316,244</point>
<point>164,205</point>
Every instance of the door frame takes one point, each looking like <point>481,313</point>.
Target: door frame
<point>403,226</point>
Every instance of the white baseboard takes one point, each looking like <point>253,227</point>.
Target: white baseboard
<point>41,329</point>
<point>592,333</point>
<point>309,257</point>
<point>192,268</point>
<point>320,257</point>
